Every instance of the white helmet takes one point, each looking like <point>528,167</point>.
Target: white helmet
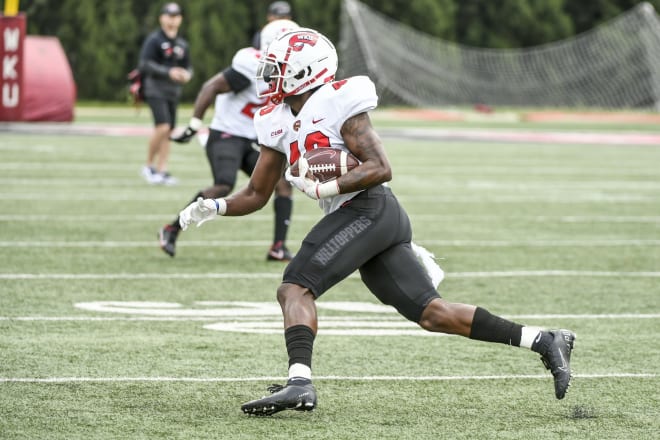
<point>296,62</point>
<point>273,30</point>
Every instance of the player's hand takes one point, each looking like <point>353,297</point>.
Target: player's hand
<point>198,212</point>
<point>185,136</point>
<point>304,181</point>
<point>193,126</point>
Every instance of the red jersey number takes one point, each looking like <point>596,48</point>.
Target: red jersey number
<point>251,108</point>
<point>313,140</point>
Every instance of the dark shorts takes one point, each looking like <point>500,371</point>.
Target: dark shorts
<point>370,233</point>
<point>163,111</point>
<point>227,154</point>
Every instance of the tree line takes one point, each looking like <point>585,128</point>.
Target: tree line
<point>102,38</point>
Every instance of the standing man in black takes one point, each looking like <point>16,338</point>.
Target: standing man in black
<point>165,67</point>
<point>279,10</point>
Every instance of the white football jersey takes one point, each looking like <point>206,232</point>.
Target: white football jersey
<point>234,111</point>
<point>318,124</point>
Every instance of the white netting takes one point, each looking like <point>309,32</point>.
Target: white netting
<point>615,65</point>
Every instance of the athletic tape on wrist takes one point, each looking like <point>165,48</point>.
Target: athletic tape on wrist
<point>195,123</point>
<point>220,206</point>
<point>327,189</point>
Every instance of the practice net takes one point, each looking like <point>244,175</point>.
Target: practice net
<point>615,65</point>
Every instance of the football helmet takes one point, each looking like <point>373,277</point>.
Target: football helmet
<point>273,30</point>
<point>296,62</point>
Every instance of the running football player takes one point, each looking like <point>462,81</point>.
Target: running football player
<point>364,227</point>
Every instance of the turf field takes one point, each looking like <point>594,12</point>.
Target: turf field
<point>103,336</point>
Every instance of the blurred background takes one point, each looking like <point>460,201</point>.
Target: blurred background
<point>102,38</point>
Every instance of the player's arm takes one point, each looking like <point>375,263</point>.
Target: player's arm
<point>205,98</point>
<point>267,172</point>
<point>229,80</point>
<point>253,197</point>
<point>363,141</point>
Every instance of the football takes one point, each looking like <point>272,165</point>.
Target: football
<point>327,163</point>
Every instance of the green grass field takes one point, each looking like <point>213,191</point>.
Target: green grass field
<point>103,336</point>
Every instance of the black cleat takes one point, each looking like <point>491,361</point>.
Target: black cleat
<point>557,359</point>
<point>167,238</point>
<point>278,252</point>
<point>297,394</point>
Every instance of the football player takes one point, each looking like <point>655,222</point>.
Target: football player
<point>364,227</point>
<point>231,139</point>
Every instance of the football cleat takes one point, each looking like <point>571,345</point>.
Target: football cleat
<point>167,238</point>
<point>557,359</point>
<point>279,252</point>
<point>298,394</point>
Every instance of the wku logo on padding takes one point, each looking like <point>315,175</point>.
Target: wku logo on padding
<point>298,41</point>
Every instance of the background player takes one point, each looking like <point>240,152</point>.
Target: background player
<point>230,143</point>
<point>364,227</point>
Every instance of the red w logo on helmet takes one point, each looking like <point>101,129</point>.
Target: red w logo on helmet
<point>298,40</point>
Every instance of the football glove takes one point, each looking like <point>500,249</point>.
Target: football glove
<point>201,211</point>
<point>308,184</point>
<point>184,137</point>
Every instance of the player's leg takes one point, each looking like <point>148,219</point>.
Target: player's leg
<point>554,346</point>
<point>224,155</point>
<point>338,245</point>
<point>397,278</point>
<point>300,327</point>
<point>283,206</point>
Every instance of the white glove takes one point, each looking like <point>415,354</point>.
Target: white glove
<point>200,211</point>
<point>309,185</point>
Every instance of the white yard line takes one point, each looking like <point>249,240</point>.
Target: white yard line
<point>84,218</point>
<point>268,275</point>
<point>560,197</point>
<point>334,318</point>
<point>621,375</point>
<point>242,243</point>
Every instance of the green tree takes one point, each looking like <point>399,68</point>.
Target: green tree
<point>511,23</point>
<point>102,39</point>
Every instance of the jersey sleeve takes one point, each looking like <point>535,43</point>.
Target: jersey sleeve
<point>245,62</point>
<point>263,121</point>
<point>353,96</point>
<point>236,80</point>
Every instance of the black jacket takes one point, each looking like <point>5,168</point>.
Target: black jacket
<point>158,55</point>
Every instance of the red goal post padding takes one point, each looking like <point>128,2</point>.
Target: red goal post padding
<point>37,82</point>
<point>12,44</point>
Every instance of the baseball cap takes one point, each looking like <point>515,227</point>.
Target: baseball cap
<point>280,9</point>
<point>170,9</point>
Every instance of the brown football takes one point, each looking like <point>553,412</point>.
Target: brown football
<point>327,163</point>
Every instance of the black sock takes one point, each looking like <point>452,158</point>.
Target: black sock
<point>283,207</point>
<point>490,328</point>
<point>175,224</point>
<point>299,344</point>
